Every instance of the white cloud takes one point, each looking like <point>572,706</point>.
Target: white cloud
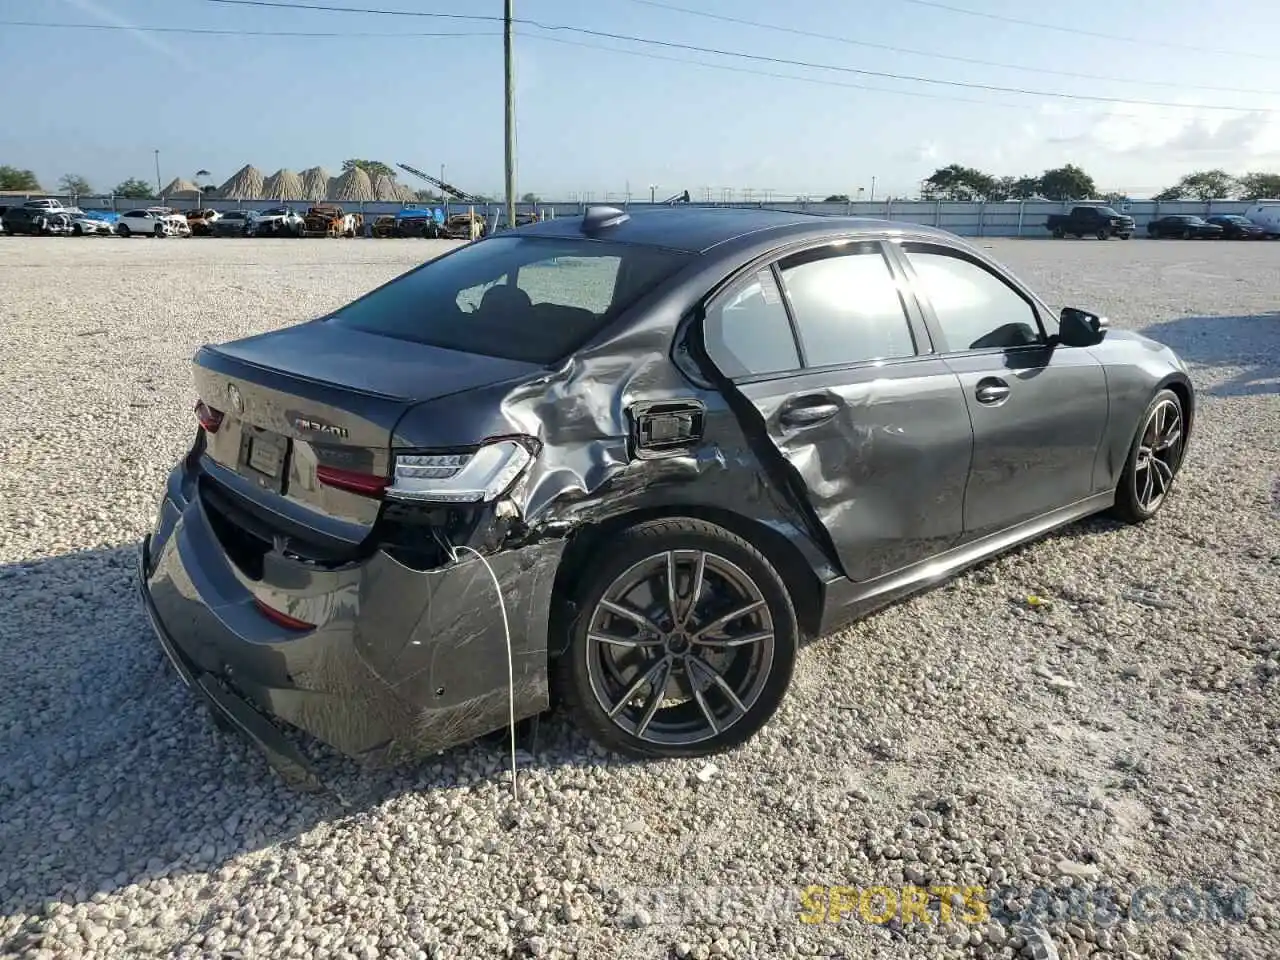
<point>1136,131</point>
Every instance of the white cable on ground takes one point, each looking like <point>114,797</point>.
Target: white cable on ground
<point>511,671</point>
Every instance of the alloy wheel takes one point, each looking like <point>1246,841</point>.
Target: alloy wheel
<point>1159,455</point>
<point>679,647</point>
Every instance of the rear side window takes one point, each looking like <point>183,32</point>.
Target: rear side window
<point>847,305</point>
<point>523,298</point>
<point>747,332</point>
<point>975,308</point>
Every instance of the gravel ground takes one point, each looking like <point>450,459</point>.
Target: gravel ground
<point>1120,735</point>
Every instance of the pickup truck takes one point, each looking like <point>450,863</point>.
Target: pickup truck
<point>51,204</point>
<point>1100,222</point>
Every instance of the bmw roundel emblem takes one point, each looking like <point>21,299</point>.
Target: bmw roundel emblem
<point>237,401</point>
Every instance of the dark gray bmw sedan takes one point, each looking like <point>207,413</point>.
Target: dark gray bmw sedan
<point>627,461</point>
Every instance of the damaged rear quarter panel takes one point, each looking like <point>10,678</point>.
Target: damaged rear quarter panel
<point>586,472</point>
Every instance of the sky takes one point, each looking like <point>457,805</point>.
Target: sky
<point>599,116</point>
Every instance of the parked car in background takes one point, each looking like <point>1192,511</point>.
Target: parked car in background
<point>328,220</point>
<point>89,223</point>
<point>201,222</point>
<point>465,226</point>
<point>235,223</point>
<point>418,223</point>
<point>1236,227</point>
<point>153,222</point>
<point>385,226</point>
<point>1185,227</point>
<point>1266,214</point>
<point>278,222</point>
<point>678,440</point>
<point>51,204</point>
<point>33,221</point>
<point>1091,221</point>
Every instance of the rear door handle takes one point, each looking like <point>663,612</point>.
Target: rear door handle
<point>991,390</point>
<point>808,414</point>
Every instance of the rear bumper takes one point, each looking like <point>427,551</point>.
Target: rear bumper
<point>221,701</point>
<point>401,662</point>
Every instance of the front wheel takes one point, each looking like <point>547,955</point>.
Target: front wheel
<point>685,644</point>
<point>77,231</point>
<point>159,234</point>
<point>1154,459</point>
<point>1125,236</point>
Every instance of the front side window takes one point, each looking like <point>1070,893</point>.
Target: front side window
<point>847,305</point>
<point>523,298</point>
<point>746,329</point>
<point>975,308</point>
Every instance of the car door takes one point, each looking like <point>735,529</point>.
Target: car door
<point>1039,410</point>
<point>836,362</point>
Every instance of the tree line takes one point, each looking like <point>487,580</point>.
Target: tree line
<point>953,182</point>
<point>957,182</point>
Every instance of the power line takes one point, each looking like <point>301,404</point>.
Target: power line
<point>795,31</point>
<point>767,73</point>
<point>820,81</point>
<point>644,54</point>
<point>382,13</point>
<point>1079,32</point>
<point>209,31</point>
<point>760,58</point>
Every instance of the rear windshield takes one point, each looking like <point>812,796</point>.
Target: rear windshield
<point>522,298</point>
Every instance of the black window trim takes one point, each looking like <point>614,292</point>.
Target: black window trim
<point>944,349</point>
<point>917,322</point>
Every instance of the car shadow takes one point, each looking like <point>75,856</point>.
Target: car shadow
<point>110,767</point>
<point>1247,346</point>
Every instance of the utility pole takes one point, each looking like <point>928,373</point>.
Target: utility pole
<point>653,193</point>
<point>507,16</point>
<point>158,187</point>
<point>873,189</point>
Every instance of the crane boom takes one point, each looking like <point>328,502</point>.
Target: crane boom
<point>441,185</point>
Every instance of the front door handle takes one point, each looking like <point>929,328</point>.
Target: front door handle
<point>992,390</point>
<point>805,416</point>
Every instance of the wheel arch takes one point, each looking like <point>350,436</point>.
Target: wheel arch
<point>1181,386</point>
<point>798,576</point>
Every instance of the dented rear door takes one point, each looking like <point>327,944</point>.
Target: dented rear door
<point>834,361</point>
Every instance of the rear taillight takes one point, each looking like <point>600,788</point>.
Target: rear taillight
<point>281,619</point>
<point>365,484</point>
<point>209,418</point>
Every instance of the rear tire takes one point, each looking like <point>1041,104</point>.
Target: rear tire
<point>621,671</point>
<point>1155,456</point>
<point>1103,235</point>
<point>159,232</point>
<point>1059,233</point>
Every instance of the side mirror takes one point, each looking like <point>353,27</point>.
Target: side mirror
<point>1079,328</point>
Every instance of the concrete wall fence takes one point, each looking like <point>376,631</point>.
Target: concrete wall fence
<point>1003,219</point>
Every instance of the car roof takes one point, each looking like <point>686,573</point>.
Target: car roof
<point>698,229</point>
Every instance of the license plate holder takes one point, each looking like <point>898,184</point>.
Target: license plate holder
<point>263,457</point>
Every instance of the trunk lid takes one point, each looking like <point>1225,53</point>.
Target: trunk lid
<point>302,405</point>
